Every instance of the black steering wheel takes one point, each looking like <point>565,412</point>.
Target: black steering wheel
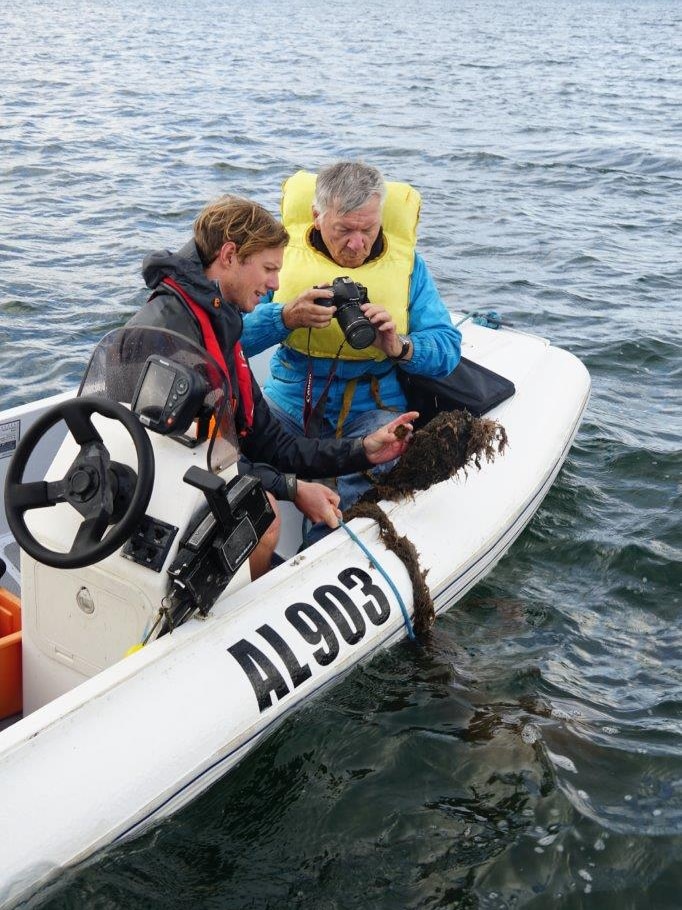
<point>103,491</point>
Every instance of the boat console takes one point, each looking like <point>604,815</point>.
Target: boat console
<point>141,520</point>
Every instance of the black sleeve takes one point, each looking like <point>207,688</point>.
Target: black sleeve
<point>282,486</point>
<point>269,442</point>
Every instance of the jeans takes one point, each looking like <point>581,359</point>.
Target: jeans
<point>350,487</point>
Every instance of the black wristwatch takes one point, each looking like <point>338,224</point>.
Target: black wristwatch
<point>292,486</point>
<point>405,339</point>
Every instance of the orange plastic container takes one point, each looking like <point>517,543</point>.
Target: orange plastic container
<point>10,654</point>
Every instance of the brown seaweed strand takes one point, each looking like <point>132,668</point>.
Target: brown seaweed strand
<point>451,442</point>
<point>424,613</point>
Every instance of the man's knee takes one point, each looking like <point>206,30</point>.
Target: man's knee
<point>260,559</point>
<point>271,536</point>
<point>369,422</point>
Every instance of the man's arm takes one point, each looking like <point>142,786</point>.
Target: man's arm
<point>309,458</point>
<point>432,345</point>
<point>263,328</point>
<point>315,500</point>
<point>269,442</point>
<point>436,343</point>
<point>270,323</point>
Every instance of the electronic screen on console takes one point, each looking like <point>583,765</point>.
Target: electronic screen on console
<point>168,396</point>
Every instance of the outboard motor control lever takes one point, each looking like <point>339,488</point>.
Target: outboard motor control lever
<point>217,542</point>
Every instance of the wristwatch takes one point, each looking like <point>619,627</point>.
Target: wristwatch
<point>405,341</point>
<point>292,486</point>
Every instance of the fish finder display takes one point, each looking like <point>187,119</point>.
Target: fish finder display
<point>153,394</point>
<point>168,396</point>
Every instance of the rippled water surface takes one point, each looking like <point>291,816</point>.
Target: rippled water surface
<point>529,753</point>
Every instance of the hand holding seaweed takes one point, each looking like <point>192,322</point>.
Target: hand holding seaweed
<point>451,442</point>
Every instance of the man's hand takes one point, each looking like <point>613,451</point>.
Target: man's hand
<point>304,312</point>
<point>390,441</point>
<point>387,339</point>
<point>318,503</point>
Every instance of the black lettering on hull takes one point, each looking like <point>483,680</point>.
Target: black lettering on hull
<point>298,672</point>
<point>254,663</point>
<point>344,618</point>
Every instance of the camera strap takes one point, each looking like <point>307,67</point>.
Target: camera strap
<point>313,415</point>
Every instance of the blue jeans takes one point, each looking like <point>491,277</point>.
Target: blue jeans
<point>350,487</point>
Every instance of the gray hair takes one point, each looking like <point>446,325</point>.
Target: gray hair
<point>347,186</point>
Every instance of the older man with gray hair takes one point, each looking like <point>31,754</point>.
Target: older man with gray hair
<point>342,343</point>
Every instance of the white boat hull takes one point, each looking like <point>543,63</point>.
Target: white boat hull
<point>146,736</point>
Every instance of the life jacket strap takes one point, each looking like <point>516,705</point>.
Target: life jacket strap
<point>347,401</point>
<point>213,347</point>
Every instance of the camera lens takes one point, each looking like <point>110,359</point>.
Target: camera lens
<point>357,328</point>
<point>348,297</point>
<point>360,335</point>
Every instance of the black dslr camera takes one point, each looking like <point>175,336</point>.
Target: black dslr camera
<point>348,297</point>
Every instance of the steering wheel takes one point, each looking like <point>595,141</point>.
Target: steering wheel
<point>104,492</point>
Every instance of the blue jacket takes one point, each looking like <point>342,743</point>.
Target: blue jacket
<point>436,353</point>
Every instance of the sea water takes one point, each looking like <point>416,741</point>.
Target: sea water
<point>528,754</point>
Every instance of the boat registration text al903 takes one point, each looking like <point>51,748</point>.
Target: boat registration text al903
<point>342,610</point>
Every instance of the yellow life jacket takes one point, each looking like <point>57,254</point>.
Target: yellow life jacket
<point>387,278</point>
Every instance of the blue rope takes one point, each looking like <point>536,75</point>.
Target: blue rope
<point>490,320</point>
<point>406,615</point>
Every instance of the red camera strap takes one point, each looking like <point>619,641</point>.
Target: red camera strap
<point>313,415</point>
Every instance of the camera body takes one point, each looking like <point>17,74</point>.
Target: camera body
<point>348,297</point>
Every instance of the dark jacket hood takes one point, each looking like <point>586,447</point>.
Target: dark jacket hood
<point>186,268</point>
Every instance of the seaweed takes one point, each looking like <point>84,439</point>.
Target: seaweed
<point>405,550</point>
<point>453,441</point>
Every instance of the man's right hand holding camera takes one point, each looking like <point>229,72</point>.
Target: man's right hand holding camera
<point>303,312</point>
